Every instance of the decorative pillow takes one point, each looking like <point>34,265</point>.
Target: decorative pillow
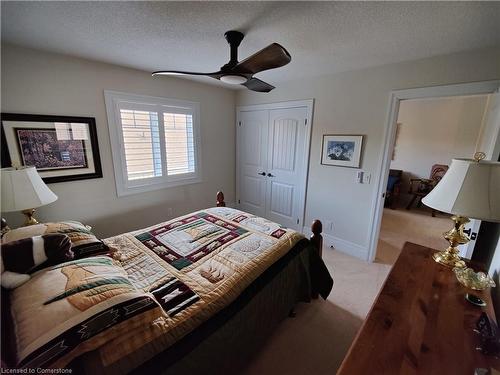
<point>21,257</point>
<point>84,242</point>
<point>74,307</point>
<point>23,232</point>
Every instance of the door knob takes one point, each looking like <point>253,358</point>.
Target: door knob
<point>262,173</point>
<point>270,175</point>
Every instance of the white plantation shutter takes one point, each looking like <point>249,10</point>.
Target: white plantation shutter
<point>154,142</point>
<point>141,141</point>
<point>179,143</point>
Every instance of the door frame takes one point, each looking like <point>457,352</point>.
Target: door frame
<point>395,97</point>
<point>309,105</point>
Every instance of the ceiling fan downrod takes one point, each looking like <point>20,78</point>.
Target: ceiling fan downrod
<point>234,39</point>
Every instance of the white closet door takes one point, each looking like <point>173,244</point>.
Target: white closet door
<point>252,164</point>
<point>288,130</point>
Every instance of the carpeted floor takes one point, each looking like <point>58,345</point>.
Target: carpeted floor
<point>416,225</point>
<point>317,339</point>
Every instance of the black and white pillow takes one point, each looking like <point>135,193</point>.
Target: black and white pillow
<point>23,257</point>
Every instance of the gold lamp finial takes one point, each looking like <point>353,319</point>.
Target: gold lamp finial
<point>478,156</point>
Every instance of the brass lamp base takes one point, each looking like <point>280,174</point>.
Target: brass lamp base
<point>455,236</point>
<point>30,220</point>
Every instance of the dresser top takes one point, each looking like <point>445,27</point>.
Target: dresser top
<point>420,323</point>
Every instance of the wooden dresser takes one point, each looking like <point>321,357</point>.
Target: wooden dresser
<point>420,323</point>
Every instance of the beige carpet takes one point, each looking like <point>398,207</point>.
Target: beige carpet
<point>317,339</point>
<point>416,225</point>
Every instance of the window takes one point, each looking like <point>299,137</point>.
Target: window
<point>154,141</point>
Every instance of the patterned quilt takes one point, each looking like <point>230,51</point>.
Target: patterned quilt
<point>191,267</point>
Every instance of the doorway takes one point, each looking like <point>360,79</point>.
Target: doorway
<point>397,99</point>
<point>430,133</point>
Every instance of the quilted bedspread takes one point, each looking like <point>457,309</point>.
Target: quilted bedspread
<point>194,266</point>
<point>160,284</point>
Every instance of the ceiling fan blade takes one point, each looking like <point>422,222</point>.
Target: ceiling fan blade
<point>256,84</point>
<point>273,56</point>
<point>181,73</point>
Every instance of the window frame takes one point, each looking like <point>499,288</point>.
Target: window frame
<point>115,101</point>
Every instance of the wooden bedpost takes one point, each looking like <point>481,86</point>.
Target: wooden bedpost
<point>220,199</point>
<point>316,237</point>
<point>5,227</point>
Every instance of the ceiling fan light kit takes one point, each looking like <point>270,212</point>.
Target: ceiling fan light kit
<point>233,79</point>
<point>242,73</point>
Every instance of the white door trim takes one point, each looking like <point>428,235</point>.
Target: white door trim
<point>473,88</point>
<point>309,105</point>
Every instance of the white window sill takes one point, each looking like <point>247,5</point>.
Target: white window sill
<point>125,191</point>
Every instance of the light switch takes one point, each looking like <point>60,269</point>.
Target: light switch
<point>359,177</point>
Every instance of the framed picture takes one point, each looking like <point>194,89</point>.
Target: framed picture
<point>62,148</point>
<point>342,150</point>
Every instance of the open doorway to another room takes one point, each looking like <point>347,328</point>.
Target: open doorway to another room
<point>430,133</point>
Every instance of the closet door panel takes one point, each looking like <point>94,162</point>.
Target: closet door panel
<point>286,147</point>
<point>252,166</point>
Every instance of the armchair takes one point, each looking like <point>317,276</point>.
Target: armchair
<point>420,187</point>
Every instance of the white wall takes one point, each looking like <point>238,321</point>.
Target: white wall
<point>44,83</point>
<point>434,131</point>
<point>356,103</point>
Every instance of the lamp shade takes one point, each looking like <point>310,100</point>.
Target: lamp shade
<point>469,188</point>
<point>23,189</point>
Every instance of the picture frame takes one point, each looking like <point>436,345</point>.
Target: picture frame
<point>62,148</point>
<point>342,150</point>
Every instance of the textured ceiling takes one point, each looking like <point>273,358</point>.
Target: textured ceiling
<point>322,37</point>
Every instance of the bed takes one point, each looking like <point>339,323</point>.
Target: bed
<point>199,292</point>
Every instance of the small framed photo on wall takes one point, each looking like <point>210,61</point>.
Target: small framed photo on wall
<point>342,150</point>
<point>62,148</point>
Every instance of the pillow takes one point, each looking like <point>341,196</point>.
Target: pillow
<point>84,242</point>
<point>21,257</point>
<point>83,304</point>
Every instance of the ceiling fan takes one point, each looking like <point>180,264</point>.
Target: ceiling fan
<point>242,73</point>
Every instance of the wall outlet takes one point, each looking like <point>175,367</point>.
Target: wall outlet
<point>170,212</point>
<point>327,225</point>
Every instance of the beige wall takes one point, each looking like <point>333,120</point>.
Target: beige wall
<point>356,103</point>
<point>434,131</point>
<point>46,83</point>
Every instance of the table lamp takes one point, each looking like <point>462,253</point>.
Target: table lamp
<point>469,189</point>
<point>23,190</point>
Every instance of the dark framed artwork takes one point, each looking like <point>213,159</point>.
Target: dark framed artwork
<point>342,150</point>
<point>62,148</point>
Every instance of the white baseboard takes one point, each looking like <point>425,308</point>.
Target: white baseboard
<point>344,246</point>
